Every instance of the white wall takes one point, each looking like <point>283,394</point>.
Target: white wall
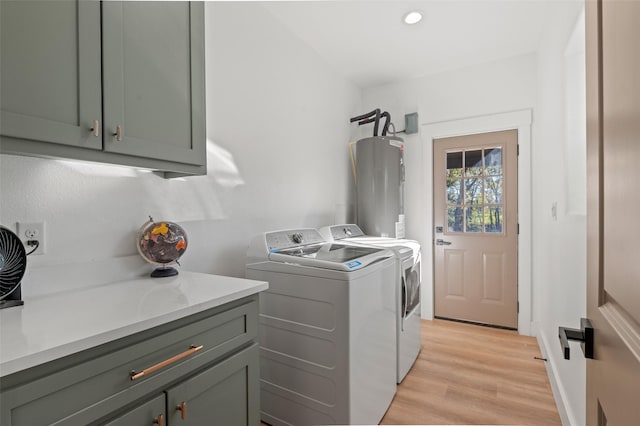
<point>559,163</point>
<point>277,125</point>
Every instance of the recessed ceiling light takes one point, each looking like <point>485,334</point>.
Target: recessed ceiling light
<point>412,17</point>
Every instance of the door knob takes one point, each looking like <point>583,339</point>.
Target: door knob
<point>583,335</point>
<point>440,242</point>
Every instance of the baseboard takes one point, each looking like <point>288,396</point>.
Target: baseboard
<point>559,394</point>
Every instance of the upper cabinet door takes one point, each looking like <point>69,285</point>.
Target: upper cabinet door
<point>50,71</point>
<point>153,77</point>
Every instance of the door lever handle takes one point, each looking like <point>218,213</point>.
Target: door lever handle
<point>441,242</point>
<point>584,335</point>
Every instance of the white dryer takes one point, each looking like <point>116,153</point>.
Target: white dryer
<point>407,280</point>
<point>326,329</point>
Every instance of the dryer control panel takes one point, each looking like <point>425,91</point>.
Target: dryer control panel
<point>340,232</point>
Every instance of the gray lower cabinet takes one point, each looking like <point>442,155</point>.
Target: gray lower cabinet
<point>217,396</point>
<point>114,82</point>
<point>220,395</point>
<point>148,413</point>
<point>175,384</point>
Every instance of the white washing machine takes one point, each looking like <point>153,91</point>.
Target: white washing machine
<point>326,329</point>
<point>407,280</point>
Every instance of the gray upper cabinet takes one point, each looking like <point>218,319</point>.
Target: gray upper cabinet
<point>113,82</point>
<point>149,70</point>
<point>50,68</point>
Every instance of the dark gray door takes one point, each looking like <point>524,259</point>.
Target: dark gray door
<point>225,394</point>
<point>153,64</point>
<point>50,71</point>
<point>147,414</point>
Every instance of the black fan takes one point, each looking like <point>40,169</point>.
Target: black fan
<point>13,263</point>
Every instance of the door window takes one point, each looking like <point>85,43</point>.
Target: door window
<point>412,284</point>
<point>475,203</point>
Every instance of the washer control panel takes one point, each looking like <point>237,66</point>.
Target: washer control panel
<point>280,240</point>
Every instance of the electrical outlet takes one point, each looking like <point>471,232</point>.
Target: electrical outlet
<point>32,231</point>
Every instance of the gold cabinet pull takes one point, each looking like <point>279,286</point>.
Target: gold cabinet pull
<point>183,410</point>
<point>193,349</point>
<point>159,420</point>
<point>118,133</point>
<point>96,128</point>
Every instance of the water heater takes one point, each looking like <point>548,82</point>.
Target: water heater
<point>380,186</point>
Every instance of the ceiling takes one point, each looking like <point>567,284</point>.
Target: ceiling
<point>370,45</point>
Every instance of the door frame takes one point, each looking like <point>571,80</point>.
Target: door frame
<point>520,120</point>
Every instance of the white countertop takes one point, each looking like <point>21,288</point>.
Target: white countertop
<point>49,327</point>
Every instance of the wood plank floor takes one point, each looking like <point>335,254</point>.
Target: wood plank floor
<point>473,375</point>
<point>468,374</point>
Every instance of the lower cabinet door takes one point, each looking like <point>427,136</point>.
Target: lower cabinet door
<point>149,413</point>
<point>225,394</point>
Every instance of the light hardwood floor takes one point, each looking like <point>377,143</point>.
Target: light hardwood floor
<point>469,375</point>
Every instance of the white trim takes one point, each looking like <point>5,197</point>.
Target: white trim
<point>520,120</point>
<point>559,393</point>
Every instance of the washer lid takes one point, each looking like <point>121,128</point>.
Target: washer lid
<point>401,246</point>
<point>352,234</point>
<point>331,256</point>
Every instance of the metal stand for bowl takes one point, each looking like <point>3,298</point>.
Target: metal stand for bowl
<point>164,271</point>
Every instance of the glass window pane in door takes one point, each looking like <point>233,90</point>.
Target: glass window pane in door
<point>473,219</point>
<point>493,190</point>
<point>493,161</point>
<point>473,191</point>
<point>493,219</point>
<point>455,219</point>
<point>473,163</point>
<point>454,191</point>
<point>454,164</point>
